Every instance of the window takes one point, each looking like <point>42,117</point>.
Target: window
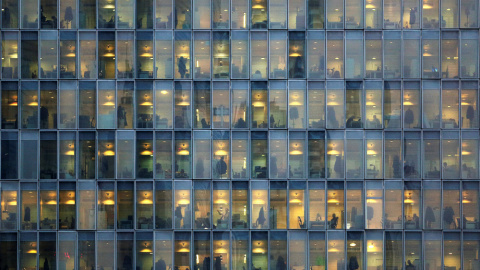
<point>354,55</point>
<point>88,58</point>
<point>163,205</point>
<point>202,55</point>
<point>335,54</point>
<point>106,54</point>
<point>182,55</point>
<point>66,206</point>
<point>315,55</point>
<point>68,55</point>
<point>105,250</point>
<point>183,208</point>
<point>163,54</point>
<point>355,208</point>
<point>145,55</point>
<point>316,205</point>
<point>125,100</point>
<point>125,47</point>
<point>221,205</point>
<point>335,205</point>
<point>30,57</point>
<point>86,206</point>
<point>163,155</point>
<point>411,205</point>
<point>182,105</point>
<point>48,206</point>
<point>126,205</point>
<point>125,151</point>
<point>221,155</point>
<point>258,155</point>
<point>374,210</point>
<point>68,104</point>
<point>106,206</point>
<point>164,104</point>
<point>258,54</point>
<point>278,205</point>
<point>29,216</point>
<point>260,216</point>
<point>202,155</point>
<point>432,205</point>
<point>48,155</point>
<point>144,210</point>
<point>296,205</point>
<point>221,55</point>
<point>393,155</point>
<point>67,165</point>
<point>240,205</point>
<point>144,159</point>
<point>9,49</point>
<point>106,154</point>
<point>393,205</point>
<point>182,155</point>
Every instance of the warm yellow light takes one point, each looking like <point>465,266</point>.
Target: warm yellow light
<point>220,201</point>
<point>258,202</point>
<point>70,153</point>
<point>333,201</point>
<point>371,201</point>
<point>109,54</point>
<point>109,103</point>
<point>427,6</point>
<point>183,103</point>
<point>466,153</point>
<point>184,250</point>
<point>370,103</point>
<point>109,153</point>
<point>146,250</point>
<point>296,103</point>
<point>146,153</point>
<point>409,201</point>
<point>257,6</point>
<point>109,6</point>
<point>258,250</point>
<point>295,201</point>
<point>183,202</point>
<point>164,92</point>
<point>146,55</point>
<point>70,54</point>
<point>427,54</point>
<point>32,251</point>
<point>33,103</point>
<point>333,152</point>
<point>370,6</point>
<point>296,152</point>
<point>146,201</point>
<point>295,54</point>
<point>147,103</point>
<point>108,202</point>
<point>465,103</point>
<point>70,202</point>
<point>371,152</point>
<point>332,103</point>
<point>258,104</point>
<point>466,201</point>
<point>408,103</point>
<point>333,249</point>
<point>183,152</point>
<point>220,250</point>
<point>13,103</point>
<point>353,244</point>
<point>52,202</point>
<point>12,203</point>
<point>221,152</point>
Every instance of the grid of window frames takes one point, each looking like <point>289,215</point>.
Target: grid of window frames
<point>239,134</point>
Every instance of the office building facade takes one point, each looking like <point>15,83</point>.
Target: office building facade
<point>243,134</point>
